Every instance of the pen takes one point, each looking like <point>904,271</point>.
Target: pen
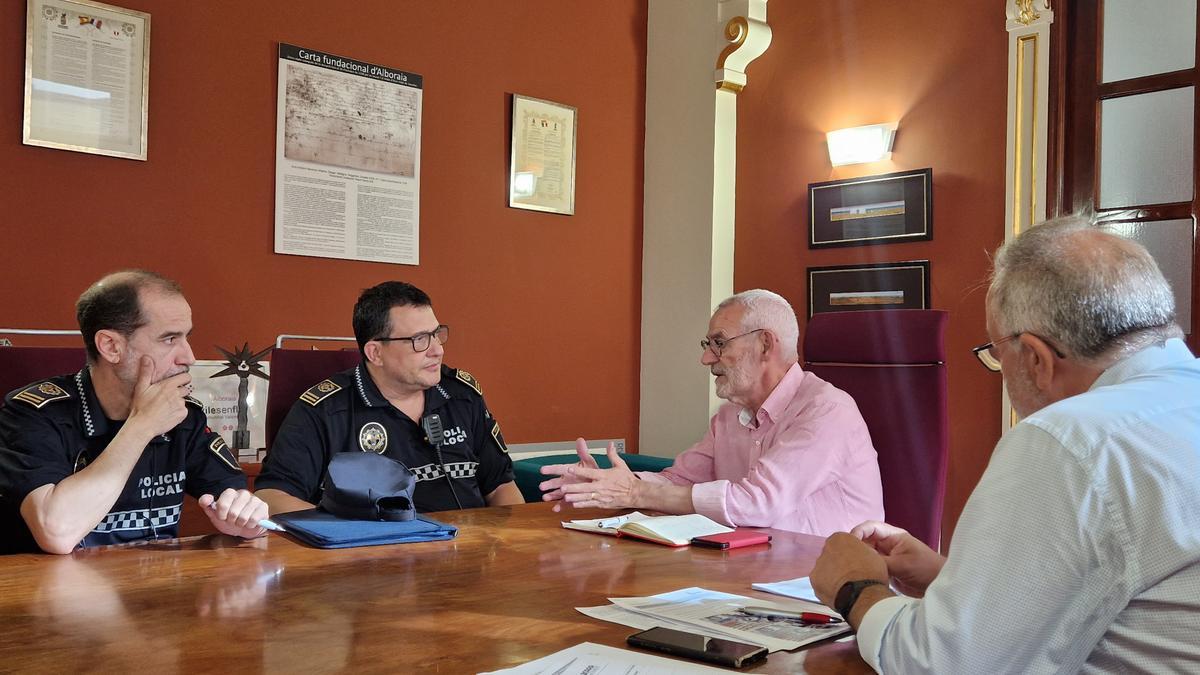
<point>616,521</point>
<point>806,617</point>
<point>268,524</point>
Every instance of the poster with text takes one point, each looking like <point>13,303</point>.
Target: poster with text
<point>347,159</point>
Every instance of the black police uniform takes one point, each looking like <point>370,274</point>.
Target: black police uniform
<point>346,413</point>
<point>54,428</point>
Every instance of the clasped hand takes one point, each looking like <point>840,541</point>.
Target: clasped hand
<point>585,485</point>
<point>235,512</point>
<point>875,550</point>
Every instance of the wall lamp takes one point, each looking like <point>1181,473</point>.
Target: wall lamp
<point>861,144</point>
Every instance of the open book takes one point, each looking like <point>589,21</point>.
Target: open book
<point>666,530</point>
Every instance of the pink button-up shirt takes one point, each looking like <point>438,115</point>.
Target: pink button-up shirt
<point>804,463</point>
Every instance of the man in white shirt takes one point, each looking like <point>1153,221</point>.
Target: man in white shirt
<point>1079,549</point>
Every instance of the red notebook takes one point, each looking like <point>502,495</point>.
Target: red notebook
<point>736,539</point>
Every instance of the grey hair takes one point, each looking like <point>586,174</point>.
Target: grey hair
<point>1094,294</point>
<point>765,309</point>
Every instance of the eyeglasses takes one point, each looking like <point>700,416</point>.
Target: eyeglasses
<point>717,345</point>
<point>991,360</point>
<point>421,341</point>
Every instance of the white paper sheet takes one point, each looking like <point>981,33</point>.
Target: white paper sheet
<point>799,588</point>
<point>592,659</point>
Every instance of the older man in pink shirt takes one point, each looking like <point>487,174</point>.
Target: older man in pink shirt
<point>789,450</point>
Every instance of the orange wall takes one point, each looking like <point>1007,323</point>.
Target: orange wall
<point>539,304</point>
<point>941,71</point>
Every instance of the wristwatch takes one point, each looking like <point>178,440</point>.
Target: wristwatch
<point>848,594</point>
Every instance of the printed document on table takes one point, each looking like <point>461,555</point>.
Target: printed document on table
<point>722,615</point>
<point>799,588</point>
<point>593,659</point>
<point>625,617</point>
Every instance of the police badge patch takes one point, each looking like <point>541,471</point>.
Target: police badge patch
<point>372,438</point>
<point>222,451</point>
<point>499,438</point>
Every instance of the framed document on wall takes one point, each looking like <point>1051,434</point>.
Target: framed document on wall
<point>541,173</point>
<point>884,209</point>
<point>87,68</point>
<point>849,288</point>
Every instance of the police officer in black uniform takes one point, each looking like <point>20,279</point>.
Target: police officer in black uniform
<point>390,404</point>
<point>104,455</point>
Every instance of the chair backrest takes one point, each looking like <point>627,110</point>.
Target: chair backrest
<point>292,372</point>
<point>892,362</point>
<point>20,366</point>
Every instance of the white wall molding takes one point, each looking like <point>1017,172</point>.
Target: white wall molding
<point>1028,25</point>
<point>687,241</point>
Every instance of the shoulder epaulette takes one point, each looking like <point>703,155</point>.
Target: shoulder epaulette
<point>41,393</point>
<point>469,380</point>
<point>194,401</point>
<point>320,391</point>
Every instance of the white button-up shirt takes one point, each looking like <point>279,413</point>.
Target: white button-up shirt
<point>1079,550</point>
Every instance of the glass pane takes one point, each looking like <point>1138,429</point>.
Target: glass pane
<point>1147,37</point>
<point>1171,242</point>
<point>1146,148</point>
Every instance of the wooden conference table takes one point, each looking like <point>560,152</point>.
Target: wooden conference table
<point>500,594</point>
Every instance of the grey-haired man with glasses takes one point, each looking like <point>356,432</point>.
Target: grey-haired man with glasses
<point>389,404</point>
<point>1078,551</point>
<point>789,450</point>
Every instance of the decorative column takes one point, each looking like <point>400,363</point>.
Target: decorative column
<point>1028,23</point>
<point>696,58</point>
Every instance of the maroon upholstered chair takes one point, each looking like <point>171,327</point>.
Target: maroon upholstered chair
<point>295,370</point>
<point>892,362</point>
<point>20,366</point>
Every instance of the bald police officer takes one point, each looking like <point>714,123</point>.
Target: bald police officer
<point>104,455</point>
<point>401,402</point>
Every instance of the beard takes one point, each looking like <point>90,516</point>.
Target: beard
<point>734,380</point>
<point>127,371</point>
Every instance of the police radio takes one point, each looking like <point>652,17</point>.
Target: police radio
<point>433,431</point>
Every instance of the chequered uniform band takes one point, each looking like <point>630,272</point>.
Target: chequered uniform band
<point>142,519</point>
<point>455,469</point>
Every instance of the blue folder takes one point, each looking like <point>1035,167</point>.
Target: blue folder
<point>324,530</point>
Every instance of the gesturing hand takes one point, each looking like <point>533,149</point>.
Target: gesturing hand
<point>614,488</point>
<point>236,512</point>
<point>911,564</point>
<point>552,489</point>
<point>158,406</point>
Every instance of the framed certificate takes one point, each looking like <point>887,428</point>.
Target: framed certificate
<point>542,171</point>
<point>86,77</point>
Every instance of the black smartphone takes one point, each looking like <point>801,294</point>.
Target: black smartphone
<point>701,647</point>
